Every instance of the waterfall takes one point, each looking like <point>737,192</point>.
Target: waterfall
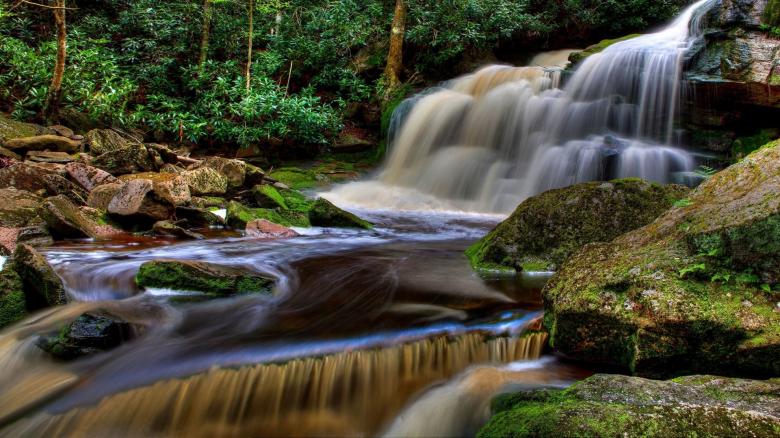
<point>345,393</point>
<point>487,141</point>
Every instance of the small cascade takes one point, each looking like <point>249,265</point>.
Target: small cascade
<point>347,393</point>
<point>487,141</point>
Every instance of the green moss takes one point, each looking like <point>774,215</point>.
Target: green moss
<point>12,301</point>
<point>239,215</point>
<point>324,214</point>
<point>207,278</point>
<point>772,13</point>
<point>296,178</point>
<point>577,57</point>
<point>268,197</point>
<point>745,145</point>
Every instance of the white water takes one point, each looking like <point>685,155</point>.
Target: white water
<point>487,141</point>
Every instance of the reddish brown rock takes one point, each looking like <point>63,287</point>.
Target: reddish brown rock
<point>136,199</point>
<point>66,220</point>
<point>264,229</point>
<point>101,196</point>
<point>169,187</point>
<point>88,177</point>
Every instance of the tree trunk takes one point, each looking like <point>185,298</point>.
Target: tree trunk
<point>204,35</point>
<point>249,47</point>
<point>52,106</point>
<point>395,54</point>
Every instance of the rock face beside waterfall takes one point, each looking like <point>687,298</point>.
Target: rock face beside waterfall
<point>609,405</point>
<point>545,229</point>
<point>695,291</point>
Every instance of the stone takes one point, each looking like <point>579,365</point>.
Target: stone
<point>50,157</point>
<point>88,177</point>
<point>702,259</point>
<point>100,197</point>
<point>42,286</point>
<point>90,334</point>
<point>66,220</point>
<point>9,154</point>
<point>264,229</point>
<point>19,208</point>
<point>166,155</point>
<point>545,229</point>
<point>25,176</point>
<point>239,215</point>
<point>205,181</point>
<point>233,170</point>
<point>324,214</point>
<point>170,229</point>
<point>101,141</point>
<point>63,131</point>
<point>169,187</point>
<point>12,300</point>
<point>42,143</point>
<point>616,406</point>
<point>198,217</point>
<point>135,200</point>
<point>10,129</point>
<point>209,278</point>
<point>267,196</point>
<point>131,159</point>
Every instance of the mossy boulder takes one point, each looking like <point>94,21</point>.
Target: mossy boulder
<point>324,214</point>
<point>101,141</point>
<point>296,178</point>
<point>19,208</point>
<point>42,286</point>
<point>89,334</point>
<point>239,215</point>
<point>66,220</point>
<point>267,196</point>
<point>212,279</point>
<point>694,291</point>
<point>234,170</point>
<point>545,229</point>
<point>10,129</point>
<point>205,181</point>
<point>168,187</point>
<point>619,406</point>
<point>129,159</point>
<point>578,56</point>
<point>12,300</point>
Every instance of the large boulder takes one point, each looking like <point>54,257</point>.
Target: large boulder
<point>693,291</point>
<point>233,170</point>
<point>42,286</point>
<point>25,176</point>
<point>101,141</point>
<point>136,201</point>
<point>43,143</point>
<point>100,197</point>
<point>130,159</point>
<point>211,279</point>
<point>169,187</point>
<point>205,181</point>
<point>620,406</point>
<point>19,208</point>
<point>66,220</point>
<point>545,229</point>
<point>88,177</point>
<point>324,214</point>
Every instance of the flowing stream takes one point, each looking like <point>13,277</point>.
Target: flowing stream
<point>386,331</point>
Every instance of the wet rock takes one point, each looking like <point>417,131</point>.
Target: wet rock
<point>170,229</point>
<point>67,221</point>
<point>233,170</point>
<point>100,197</point>
<point>208,202</point>
<point>12,302</point>
<point>42,143</point>
<point>324,214</point>
<point>701,260</point>
<point>350,143</point>
<point>10,129</point>
<point>88,177</point>
<point>264,229</point>
<point>198,217</point>
<point>238,216</point>
<point>90,334</point>
<point>205,181</point>
<point>211,279</point>
<point>42,286</point>
<point>50,157</point>
<point>267,196</point>
<point>577,57</point>
<point>101,141</point>
<point>19,208</point>
<point>131,159</point>
<point>135,200</point>
<point>168,187</point>
<point>613,405</point>
<point>545,229</point>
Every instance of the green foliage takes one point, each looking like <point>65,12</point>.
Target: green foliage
<point>772,15</point>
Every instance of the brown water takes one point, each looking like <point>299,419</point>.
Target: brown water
<point>362,326</point>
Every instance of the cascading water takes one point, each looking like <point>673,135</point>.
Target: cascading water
<point>487,141</point>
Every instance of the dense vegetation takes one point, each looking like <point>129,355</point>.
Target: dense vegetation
<point>137,63</point>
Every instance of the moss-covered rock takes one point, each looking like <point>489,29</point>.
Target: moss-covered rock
<point>234,170</point>
<point>130,159</point>
<point>205,181</point>
<point>296,178</point>
<point>12,129</point>
<point>239,215</point>
<point>12,302</point>
<point>544,230</point>
<point>695,291</point>
<point>19,208</point>
<point>101,141</point>
<point>620,406</point>
<point>324,214</point>
<point>65,220</point>
<point>267,196</point>
<point>89,334</point>
<point>42,286</point>
<point>578,56</point>
<point>211,279</point>
<point>168,187</point>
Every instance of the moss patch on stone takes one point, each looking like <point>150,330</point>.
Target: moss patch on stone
<point>545,229</point>
<point>577,57</point>
<point>12,302</point>
<point>296,178</point>
<point>324,214</point>
<point>616,406</point>
<point>239,215</point>
<point>211,279</point>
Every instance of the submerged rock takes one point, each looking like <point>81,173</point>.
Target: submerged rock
<point>42,286</point>
<point>211,279</point>
<point>324,214</point>
<point>88,335</point>
<point>668,298</point>
<point>616,406</point>
<point>545,229</point>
